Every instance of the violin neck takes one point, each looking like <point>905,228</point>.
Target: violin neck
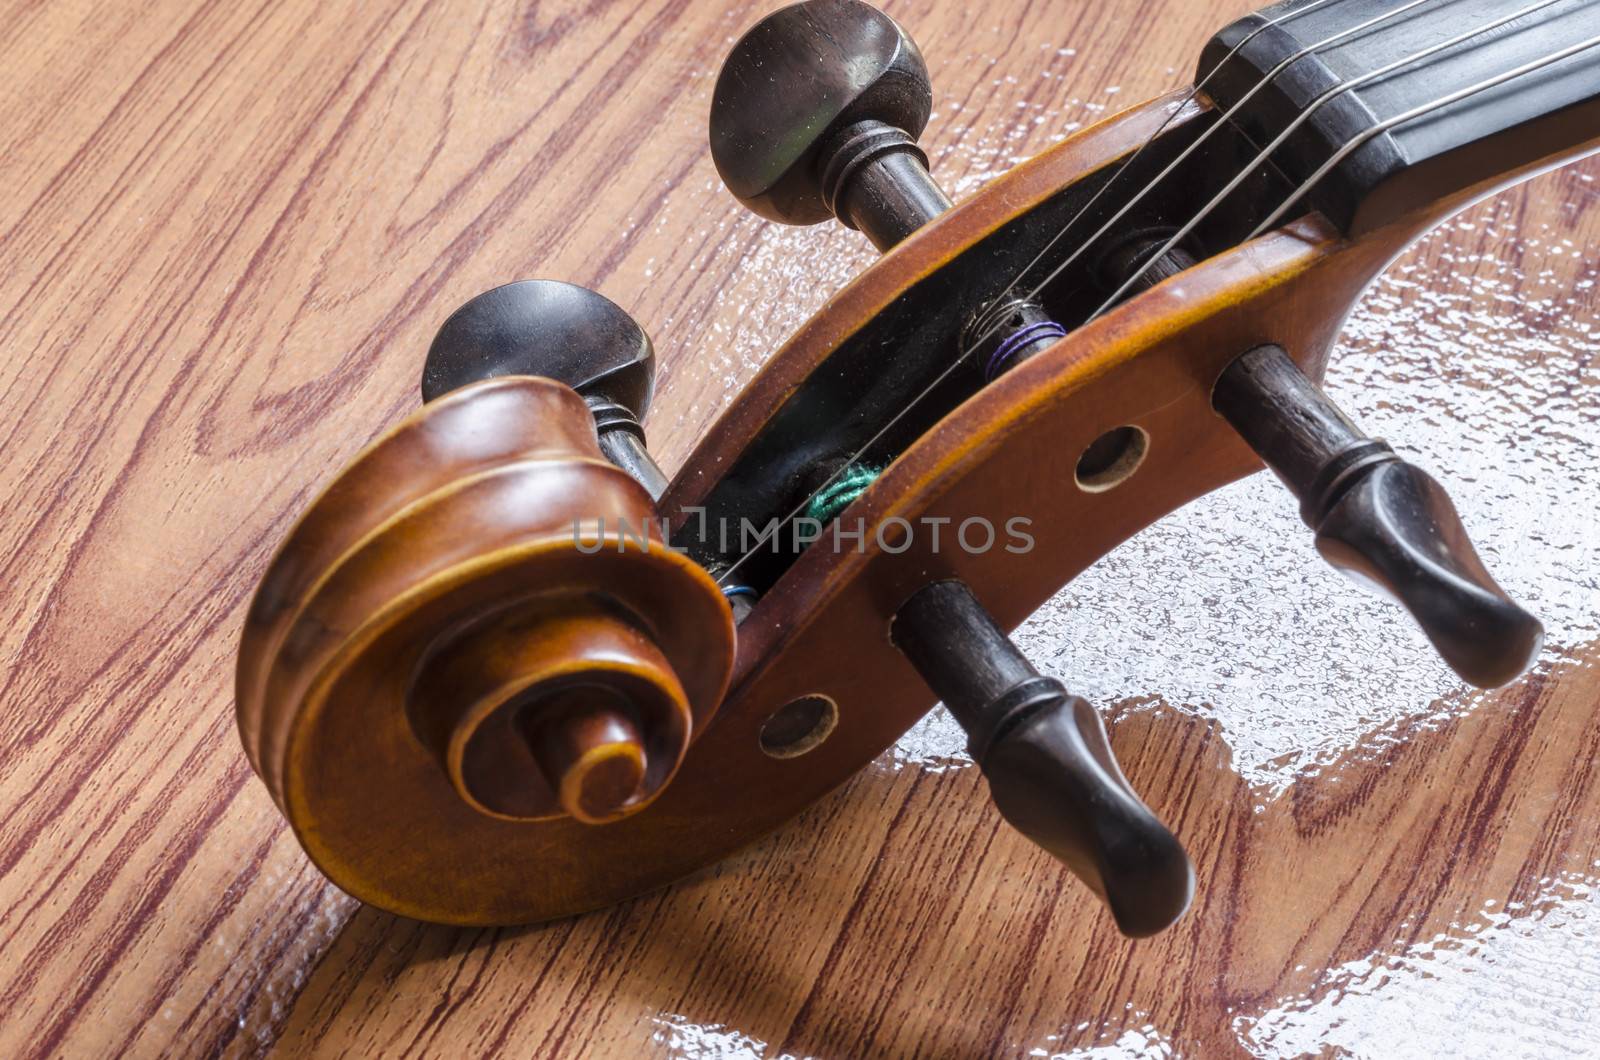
<point>1384,109</point>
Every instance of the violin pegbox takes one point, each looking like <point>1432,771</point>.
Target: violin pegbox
<point>454,638</point>
<point>816,113</point>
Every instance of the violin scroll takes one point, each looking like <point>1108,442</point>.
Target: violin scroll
<point>458,623</point>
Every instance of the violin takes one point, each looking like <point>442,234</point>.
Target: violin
<point>505,668</point>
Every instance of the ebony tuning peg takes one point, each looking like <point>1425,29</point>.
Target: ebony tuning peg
<point>575,336</point>
<point>816,114</point>
<point>1381,520</point>
<point>563,332</point>
<point>1378,517</point>
<point>1050,768</point>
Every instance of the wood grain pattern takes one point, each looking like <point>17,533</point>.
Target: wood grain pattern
<point>229,235</point>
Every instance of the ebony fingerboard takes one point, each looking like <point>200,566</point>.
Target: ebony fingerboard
<point>1405,165</point>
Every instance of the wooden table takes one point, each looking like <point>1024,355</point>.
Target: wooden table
<point>229,232</point>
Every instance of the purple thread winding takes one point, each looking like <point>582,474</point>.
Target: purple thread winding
<point>1018,339</point>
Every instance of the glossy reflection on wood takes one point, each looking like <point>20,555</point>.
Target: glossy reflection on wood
<point>209,334</point>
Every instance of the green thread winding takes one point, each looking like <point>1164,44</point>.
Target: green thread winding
<point>841,493</point>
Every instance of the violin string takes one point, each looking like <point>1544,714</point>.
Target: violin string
<point>1418,112</point>
<point>1200,141</point>
<point>995,326</point>
<point>1116,174</point>
<point>1300,119</point>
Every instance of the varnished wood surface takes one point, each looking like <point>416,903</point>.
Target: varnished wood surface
<point>230,231</point>
<point>451,540</point>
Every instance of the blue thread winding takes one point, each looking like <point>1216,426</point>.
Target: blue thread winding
<point>1018,339</point>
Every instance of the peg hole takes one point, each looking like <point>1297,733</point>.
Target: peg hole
<point>1111,459</point>
<point>799,726</point>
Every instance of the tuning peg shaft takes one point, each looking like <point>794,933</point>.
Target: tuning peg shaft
<point>1377,517</point>
<point>876,180</point>
<point>1051,770</point>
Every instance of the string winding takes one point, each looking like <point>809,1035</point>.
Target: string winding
<point>839,494</point>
